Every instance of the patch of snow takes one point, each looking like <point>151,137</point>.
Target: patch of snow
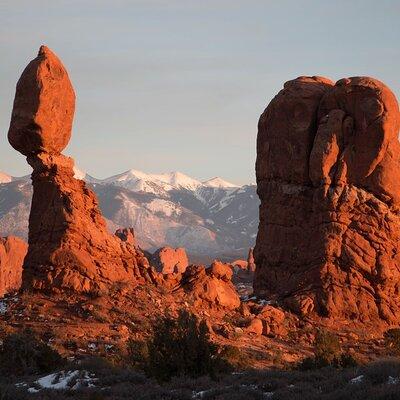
<point>58,380</point>
<point>3,307</point>
<point>264,302</point>
<point>202,393</point>
<point>165,207</point>
<point>210,221</point>
<point>64,380</point>
<point>393,380</point>
<point>357,379</point>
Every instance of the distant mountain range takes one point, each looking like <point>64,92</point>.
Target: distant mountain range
<point>209,219</point>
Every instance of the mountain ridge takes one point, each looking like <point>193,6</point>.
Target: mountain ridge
<point>213,218</point>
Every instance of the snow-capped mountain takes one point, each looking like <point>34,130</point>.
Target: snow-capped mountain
<point>217,182</point>
<point>211,218</point>
<point>152,183</point>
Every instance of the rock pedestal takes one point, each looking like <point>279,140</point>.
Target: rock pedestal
<point>69,246</point>
<point>328,178</point>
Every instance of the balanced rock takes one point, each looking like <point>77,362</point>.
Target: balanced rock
<point>168,260</point>
<point>69,245</point>
<point>44,106</point>
<point>12,254</point>
<point>328,178</point>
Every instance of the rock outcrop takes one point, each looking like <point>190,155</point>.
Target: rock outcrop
<point>127,235</point>
<point>210,286</point>
<point>168,260</point>
<point>328,178</point>
<point>251,265</point>
<point>69,245</point>
<point>12,253</point>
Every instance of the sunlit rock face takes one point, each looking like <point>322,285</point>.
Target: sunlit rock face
<point>12,254</point>
<point>328,179</point>
<point>69,245</point>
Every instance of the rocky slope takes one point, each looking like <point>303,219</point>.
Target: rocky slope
<point>209,219</point>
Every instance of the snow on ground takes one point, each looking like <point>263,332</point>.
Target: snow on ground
<point>3,307</point>
<point>357,379</point>
<point>62,380</point>
<point>203,393</point>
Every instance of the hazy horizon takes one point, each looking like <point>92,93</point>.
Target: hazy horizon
<point>179,86</point>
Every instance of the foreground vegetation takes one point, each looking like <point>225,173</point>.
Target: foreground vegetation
<point>180,362</point>
<point>373,382</point>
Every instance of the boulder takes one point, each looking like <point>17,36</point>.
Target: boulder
<point>327,176</point>
<point>168,260</point>
<point>12,253</point>
<point>207,288</point>
<point>255,326</point>
<point>221,271</point>
<point>69,245</point>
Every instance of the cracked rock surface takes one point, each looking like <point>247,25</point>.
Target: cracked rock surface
<point>328,178</point>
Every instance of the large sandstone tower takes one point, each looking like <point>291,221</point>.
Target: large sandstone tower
<point>328,176</point>
<point>69,246</point>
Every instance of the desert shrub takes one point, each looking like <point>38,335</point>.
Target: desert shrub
<point>378,372</point>
<point>327,353</point>
<point>392,340</point>
<point>181,346</point>
<point>23,353</point>
<point>327,346</point>
<point>138,353</point>
<point>231,357</point>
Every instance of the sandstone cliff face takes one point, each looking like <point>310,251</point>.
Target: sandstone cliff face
<point>12,254</point>
<point>69,246</point>
<point>328,179</point>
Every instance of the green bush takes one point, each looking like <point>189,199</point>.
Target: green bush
<point>327,347</point>
<point>138,354</point>
<point>231,356</point>
<point>327,353</point>
<point>181,347</point>
<point>22,354</point>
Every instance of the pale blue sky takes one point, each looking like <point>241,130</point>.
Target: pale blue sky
<point>179,85</point>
